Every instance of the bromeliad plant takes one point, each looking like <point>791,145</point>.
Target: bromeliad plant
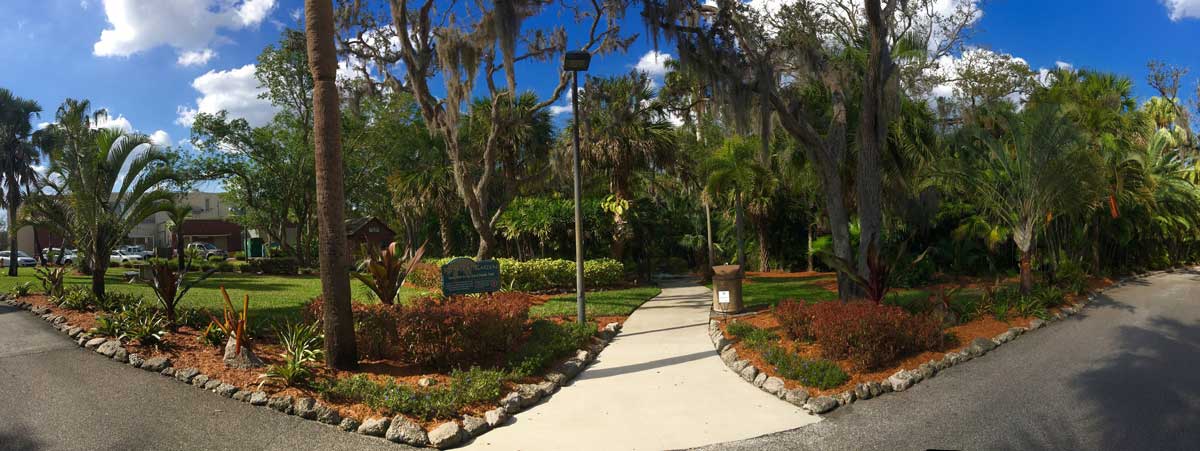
<point>234,324</point>
<point>384,271</point>
<point>301,346</point>
<point>877,284</point>
<point>170,286</point>
<point>52,279</point>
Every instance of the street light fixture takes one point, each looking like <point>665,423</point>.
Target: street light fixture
<point>577,61</point>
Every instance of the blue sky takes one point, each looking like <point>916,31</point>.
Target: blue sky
<point>160,59</point>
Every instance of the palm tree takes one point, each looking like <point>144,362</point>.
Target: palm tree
<point>340,349</point>
<point>16,165</point>
<point>177,215</point>
<point>625,130</point>
<point>1033,169</point>
<point>733,170</point>
<point>112,180</point>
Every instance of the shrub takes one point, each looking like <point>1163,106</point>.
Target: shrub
<point>21,289</point>
<point>750,335</point>
<point>1049,296</point>
<point>795,318</point>
<point>76,298</point>
<point>280,266</point>
<point>821,374</point>
<point>374,327</point>
<point>426,275</point>
<point>871,335</point>
<point>238,255</point>
<point>212,336</point>
<point>170,287</point>
<point>444,401</point>
<point>135,322</point>
<point>301,346</point>
<point>113,301</point>
<point>545,274</point>
<point>547,343</point>
<point>52,279</point>
<point>458,332</point>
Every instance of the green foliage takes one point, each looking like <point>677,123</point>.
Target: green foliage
<point>548,342</point>
<point>466,388</point>
<point>212,336</point>
<point>819,373</point>
<point>137,322</point>
<point>170,286</point>
<point>117,300</point>
<point>301,347</point>
<point>21,289</point>
<point>52,278</point>
<point>384,271</point>
<point>76,298</point>
<point>750,335</point>
<point>545,274</point>
<point>279,266</point>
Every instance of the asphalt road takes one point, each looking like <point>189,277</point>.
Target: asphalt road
<point>1122,375</point>
<point>56,396</point>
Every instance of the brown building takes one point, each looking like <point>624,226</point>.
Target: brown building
<point>369,231</point>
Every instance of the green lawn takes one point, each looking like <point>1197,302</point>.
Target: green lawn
<point>274,298</point>
<point>270,296</point>
<point>764,292</point>
<point>600,303</point>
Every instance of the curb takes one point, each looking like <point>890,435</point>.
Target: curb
<point>397,429</point>
<point>903,379</point>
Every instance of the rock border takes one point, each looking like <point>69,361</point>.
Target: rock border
<point>397,429</point>
<point>903,379</point>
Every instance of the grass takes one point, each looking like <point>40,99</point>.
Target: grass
<point>280,298</point>
<point>600,303</point>
<point>272,298</point>
<point>768,291</point>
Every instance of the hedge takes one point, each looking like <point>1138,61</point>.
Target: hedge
<point>545,274</point>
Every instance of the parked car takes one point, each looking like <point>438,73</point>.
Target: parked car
<point>23,259</point>
<point>206,250</point>
<point>119,257</point>
<point>137,250</point>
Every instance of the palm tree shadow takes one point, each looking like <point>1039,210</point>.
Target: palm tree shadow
<point>1146,395</point>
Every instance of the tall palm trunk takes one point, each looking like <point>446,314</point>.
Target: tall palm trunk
<point>739,224</point>
<point>13,196</point>
<point>99,266</point>
<point>810,248</point>
<point>712,255</point>
<point>444,234</point>
<point>340,349</point>
<point>760,225</point>
<point>1026,271</point>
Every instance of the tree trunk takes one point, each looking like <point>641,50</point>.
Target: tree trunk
<point>12,221</point>
<point>1026,271</point>
<point>444,234</point>
<point>99,267</point>
<point>739,225</point>
<point>37,248</point>
<point>763,261</point>
<point>341,351</point>
<point>872,132</point>
<point>179,247</point>
<point>810,248</point>
<point>712,255</point>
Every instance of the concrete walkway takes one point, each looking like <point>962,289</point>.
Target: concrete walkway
<point>659,385</point>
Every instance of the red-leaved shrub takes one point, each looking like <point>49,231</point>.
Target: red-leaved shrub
<point>459,332</point>
<point>794,317</point>
<point>425,275</point>
<point>869,335</point>
<point>374,327</point>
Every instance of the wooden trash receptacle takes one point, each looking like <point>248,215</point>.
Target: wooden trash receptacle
<point>727,289</point>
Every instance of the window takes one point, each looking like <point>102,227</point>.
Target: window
<point>206,204</point>
<point>373,229</point>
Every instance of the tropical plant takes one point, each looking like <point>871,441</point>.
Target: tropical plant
<point>1019,179</point>
<point>52,278</point>
<point>19,156</point>
<point>177,215</point>
<point>233,324</point>
<point>384,271</point>
<point>301,347</point>
<point>21,289</point>
<point>112,180</point>
<point>625,131</point>
<point>733,170</point>
<point>171,286</point>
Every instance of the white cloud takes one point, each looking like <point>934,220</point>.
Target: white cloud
<point>297,14</point>
<point>653,63</point>
<point>560,109</point>
<point>186,25</point>
<point>235,91</point>
<point>195,57</point>
<point>83,4</point>
<point>1183,9</point>
<point>160,138</point>
<point>118,122</point>
<point>1064,65</point>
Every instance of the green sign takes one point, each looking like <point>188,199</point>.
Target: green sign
<point>466,276</point>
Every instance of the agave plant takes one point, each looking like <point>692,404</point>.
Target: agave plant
<point>301,346</point>
<point>384,271</point>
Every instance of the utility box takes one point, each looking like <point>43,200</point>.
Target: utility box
<point>727,289</point>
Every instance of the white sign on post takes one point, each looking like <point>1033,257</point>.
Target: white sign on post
<point>723,297</point>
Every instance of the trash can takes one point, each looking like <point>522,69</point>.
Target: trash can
<point>727,289</point>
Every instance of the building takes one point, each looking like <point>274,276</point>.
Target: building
<point>367,231</point>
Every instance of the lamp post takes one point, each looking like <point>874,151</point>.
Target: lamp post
<point>577,61</point>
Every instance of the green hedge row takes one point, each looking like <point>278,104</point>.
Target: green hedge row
<point>545,274</point>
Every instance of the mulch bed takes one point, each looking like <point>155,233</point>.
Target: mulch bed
<point>185,350</point>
